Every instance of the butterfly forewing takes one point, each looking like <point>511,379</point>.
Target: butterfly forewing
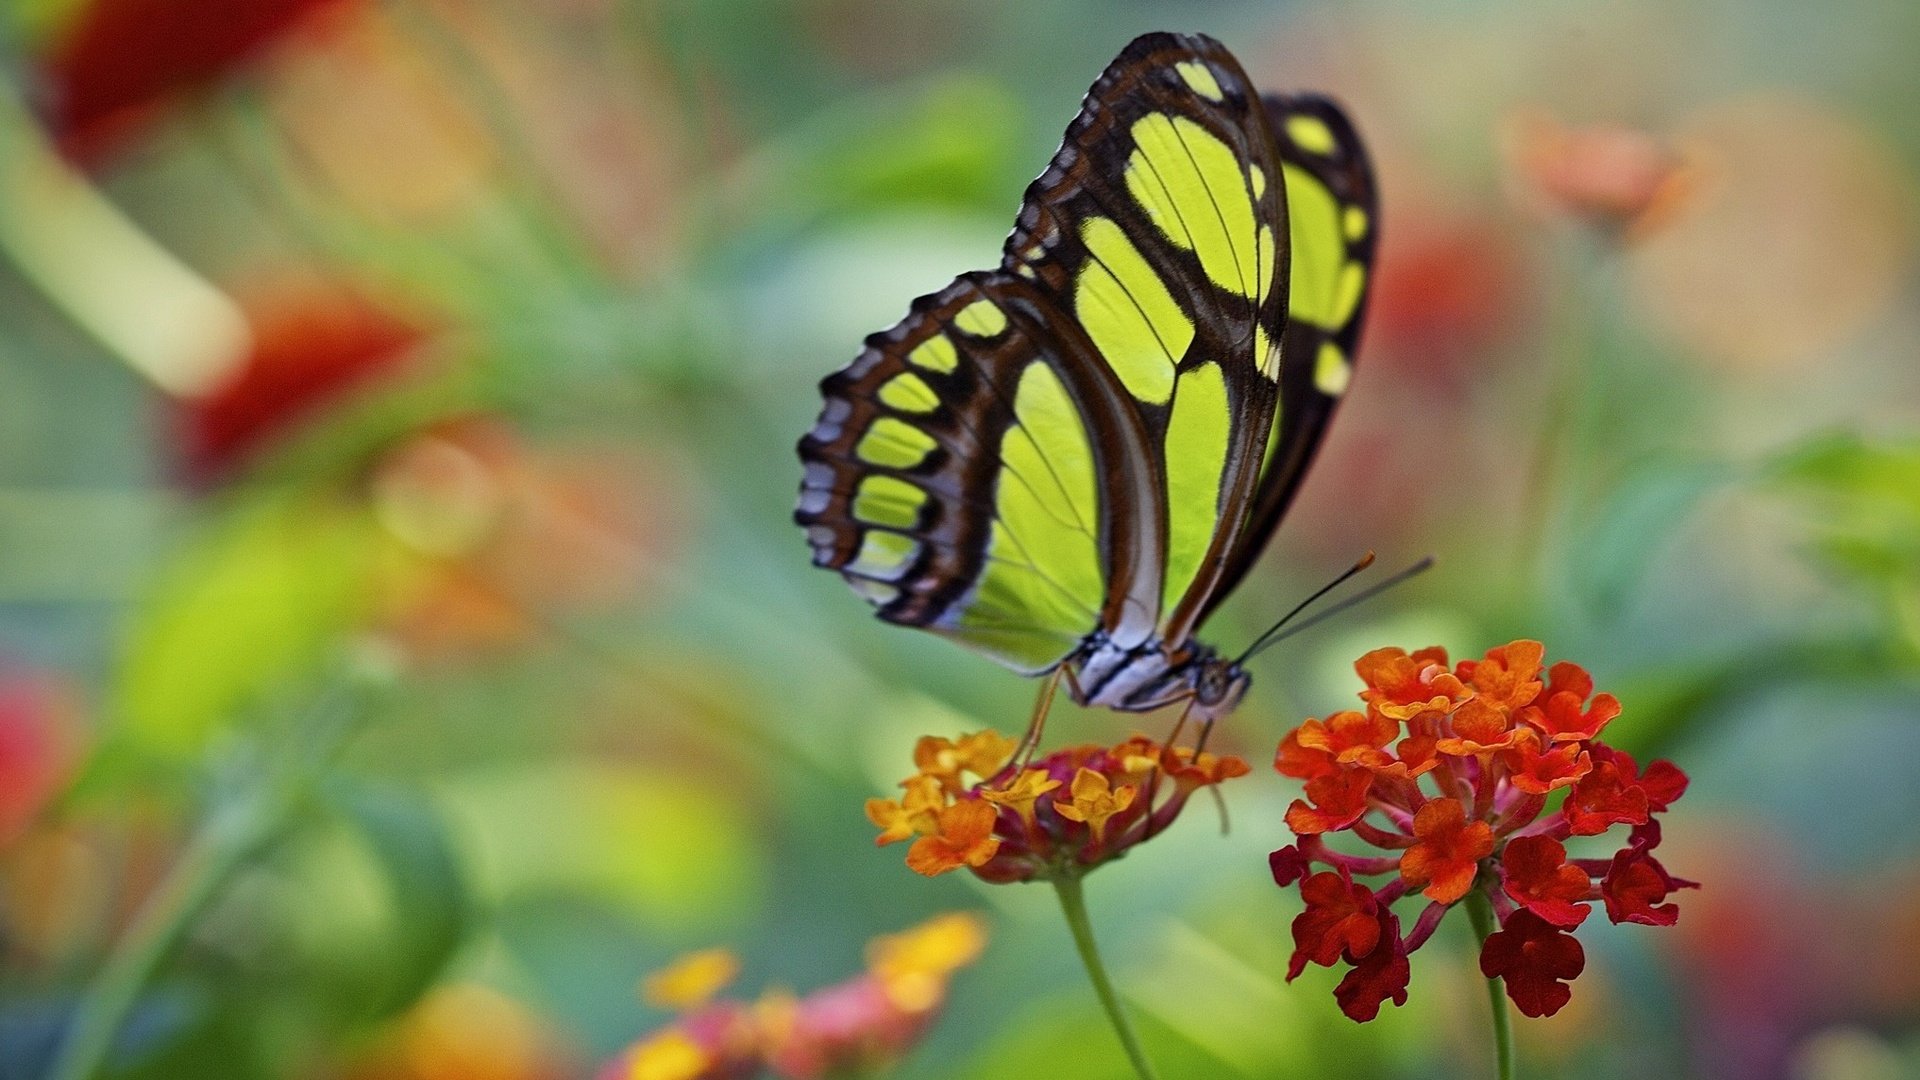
<point>1333,213</point>
<point>954,476</point>
<point>1161,227</point>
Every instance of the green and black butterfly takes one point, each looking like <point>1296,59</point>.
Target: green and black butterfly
<point>1072,459</point>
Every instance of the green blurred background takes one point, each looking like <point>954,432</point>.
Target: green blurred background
<point>397,401</point>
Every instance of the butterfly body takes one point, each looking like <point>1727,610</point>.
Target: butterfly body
<point>1141,678</point>
<point>1071,459</point>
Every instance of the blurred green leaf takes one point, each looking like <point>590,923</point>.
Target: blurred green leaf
<point>950,144</point>
<point>671,849</point>
<point>428,904</point>
<point>1611,557</point>
<point>1866,498</point>
<point>252,603</point>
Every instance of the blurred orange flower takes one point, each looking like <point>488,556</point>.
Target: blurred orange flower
<point>1610,176</point>
<point>466,1031</point>
<point>494,534</point>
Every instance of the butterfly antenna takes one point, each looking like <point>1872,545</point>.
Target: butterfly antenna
<point>1365,561</point>
<point>1276,636</point>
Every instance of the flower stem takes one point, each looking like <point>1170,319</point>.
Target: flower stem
<point>1480,911</point>
<point>1073,904</point>
<point>219,848</point>
<point>241,819</point>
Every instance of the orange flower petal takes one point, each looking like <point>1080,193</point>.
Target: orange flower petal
<point>1447,856</point>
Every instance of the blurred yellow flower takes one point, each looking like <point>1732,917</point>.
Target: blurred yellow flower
<point>914,964</point>
<point>692,980</point>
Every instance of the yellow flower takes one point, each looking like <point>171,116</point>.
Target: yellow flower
<point>914,963</point>
<point>669,1055</point>
<point>1022,793</point>
<point>981,753</point>
<point>1094,801</point>
<point>692,980</point>
<point>965,838</point>
<point>915,814</point>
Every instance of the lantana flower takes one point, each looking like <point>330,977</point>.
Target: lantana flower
<point>1056,817</point>
<point>862,1026</point>
<point>1620,180</point>
<point>1448,773</point>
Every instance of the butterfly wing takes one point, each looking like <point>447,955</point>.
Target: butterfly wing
<point>1333,212</point>
<point>1071,443</point>
<point>955,474</point>
<point>1162,227</point>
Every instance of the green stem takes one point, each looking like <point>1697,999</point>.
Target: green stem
<point>1073,904</point>
<point>235,827</point>
<point>1480,911</point>
<point>222,844</point>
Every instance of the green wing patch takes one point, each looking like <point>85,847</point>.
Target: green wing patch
<point>1334,213</point>
<point>1161,225</point>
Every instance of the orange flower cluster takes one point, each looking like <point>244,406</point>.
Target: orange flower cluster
<point>1491,740</point>
<point>863,1026</point>
<point>1060,816</point>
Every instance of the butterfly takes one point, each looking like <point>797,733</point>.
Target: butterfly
<point>1067,462</point>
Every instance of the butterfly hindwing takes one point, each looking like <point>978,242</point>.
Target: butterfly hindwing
<point>1161,227</point>
<point>1333,211</point>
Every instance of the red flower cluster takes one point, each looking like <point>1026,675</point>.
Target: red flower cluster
<point>1492,741</point>
<point>1063,815</point>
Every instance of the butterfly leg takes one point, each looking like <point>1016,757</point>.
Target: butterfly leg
<point>1036,725</point>
<point>1173,738</point>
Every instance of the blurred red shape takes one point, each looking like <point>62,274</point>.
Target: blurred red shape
<point>36,748</point>
<point>122,62</point>
<point>309,352</point>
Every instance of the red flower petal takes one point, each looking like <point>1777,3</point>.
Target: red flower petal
<point>1536,772</point>
<point>1339,800</point>
<point>1340,919</point>
<point>1350,736</point>
<point>1634,887</point>
<point>1381,974</point>
<point>1604,798</point>
<point>1478,728</point>
<point>1448,854</point>
<point>1664,783</point>
<point>1561,718</point>
<point>1289,864</point>
<point>1537,875</point>
<point>1508,677</point>
<point>1302,762</point>
<point>1400,685</point>
<point>1536,960</point>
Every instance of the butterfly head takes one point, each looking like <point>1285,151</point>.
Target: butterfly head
<point>1218,686</point>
